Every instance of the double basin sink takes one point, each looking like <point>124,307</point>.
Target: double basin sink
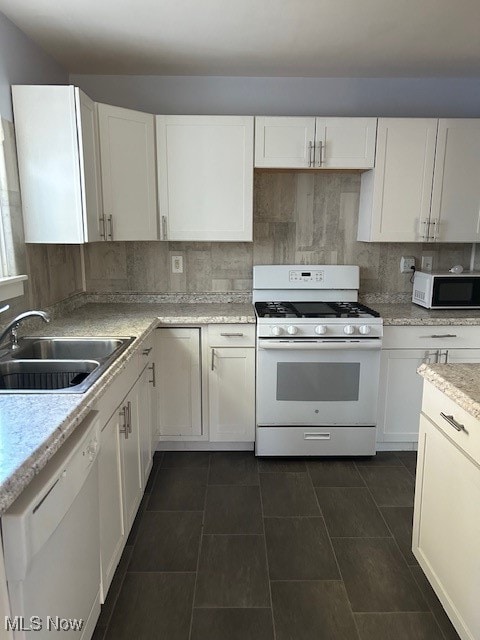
<point>57,365</point>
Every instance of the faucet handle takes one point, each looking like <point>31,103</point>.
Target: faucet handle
<point>4,308</point>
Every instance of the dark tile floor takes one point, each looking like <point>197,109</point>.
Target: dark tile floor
<point>228,547</point>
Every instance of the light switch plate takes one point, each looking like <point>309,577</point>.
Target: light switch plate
<point>427,263</point>
<point>177,264</point>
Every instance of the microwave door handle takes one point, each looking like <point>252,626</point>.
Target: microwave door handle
<point>366,345</point>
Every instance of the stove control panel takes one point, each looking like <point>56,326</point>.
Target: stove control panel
<point>306,275</point>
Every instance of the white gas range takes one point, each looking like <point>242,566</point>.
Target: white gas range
<point>318,361</point>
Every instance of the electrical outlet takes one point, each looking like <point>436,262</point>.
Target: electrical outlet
<point>406,264</point>
<point>177,264</point>
<point>427,263</point>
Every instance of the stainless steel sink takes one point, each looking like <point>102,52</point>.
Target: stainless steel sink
<point>66,348</point>
<point>57,365</point>
<point>45,375</point>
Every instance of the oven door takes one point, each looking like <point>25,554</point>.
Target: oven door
<point>317,382</point>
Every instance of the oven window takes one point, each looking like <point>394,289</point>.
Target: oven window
<point>318,381</point>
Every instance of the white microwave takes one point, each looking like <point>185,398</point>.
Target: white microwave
<point>447,290</point>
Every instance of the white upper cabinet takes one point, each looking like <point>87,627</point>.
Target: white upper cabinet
<point>395,197</point>
<point>127,151</point>
<point>345,143</point>
<point>315,143</point>
<point>58,162</point>
<point>205,177</point>
<point>455,213</point>
<point>284,142</point>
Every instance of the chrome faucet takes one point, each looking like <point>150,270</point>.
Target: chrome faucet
<point>11,329</point>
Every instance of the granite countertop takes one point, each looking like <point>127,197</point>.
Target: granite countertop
<point>34,426</point>
<point>460,382</point>
<point>408,314</point>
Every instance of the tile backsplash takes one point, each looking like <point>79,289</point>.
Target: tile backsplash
<point>304,218</point>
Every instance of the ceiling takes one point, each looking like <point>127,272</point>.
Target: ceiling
<point>306,38</point>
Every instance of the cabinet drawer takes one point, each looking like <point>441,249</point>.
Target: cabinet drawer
<point>431,337</point>
<point>468,438</point>
<point>231,335</point>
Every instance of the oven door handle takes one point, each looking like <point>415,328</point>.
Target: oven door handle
<point>347,345</point>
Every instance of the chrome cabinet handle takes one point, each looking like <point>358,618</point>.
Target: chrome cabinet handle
<point>451,420</point>
<point>110,222</point>
<point>311,150</point>
<point>164,227</point>
<point>129,409</point>
<point>426,230</point>
<point>316,436</point>
<point>145,352</point>
<point>153,380</point>
<point>213,360</point>
<point>231,335</point>
<point>429,355</point>
<point>436,229</point>
<point>103,233</point>
<point>321,147</point>
<point>442,335</point>
<point>124,428</point>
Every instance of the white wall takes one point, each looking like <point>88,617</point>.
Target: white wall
<point>423,97</point>
<point>23,62</point>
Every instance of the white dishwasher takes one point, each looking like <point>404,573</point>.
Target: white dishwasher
<point>52,544</point>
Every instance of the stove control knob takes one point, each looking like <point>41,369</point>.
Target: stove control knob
<point>321,329</point>
<point>291,330</point>
<point>364,329</point>
<point>277,331</point>
<point>349,329</point>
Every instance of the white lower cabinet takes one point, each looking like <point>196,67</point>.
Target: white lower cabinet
<point>112,528</point>
<point>146,400</point>
<point>400,393</point>
<point>400,389</point>
<point>231,386</point>
<point>131,469</point>
<point>206,383</point>
<point>446,533</point>
<point>179,411</point>
<point>125,460</point>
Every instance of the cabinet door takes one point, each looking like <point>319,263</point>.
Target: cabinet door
<point>446,528</point>
<point>232,394</point>
<point>145,417</point>
<point>395,196</point>
<point>179,382</point>
<point>49,164</point>
<point>345,143</point>
<point>127,147</point>
<point>461,355</point>
<point>205,177</point>
<point>131,466</point>
<point>400,393</point>
<point>112,529</point>
<point>90,167</point>
<point>456,184</point>
<point>284,142</point>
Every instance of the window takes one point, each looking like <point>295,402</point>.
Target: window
<point>12,247</point>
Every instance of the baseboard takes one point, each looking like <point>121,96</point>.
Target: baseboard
<point>205,446</point>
